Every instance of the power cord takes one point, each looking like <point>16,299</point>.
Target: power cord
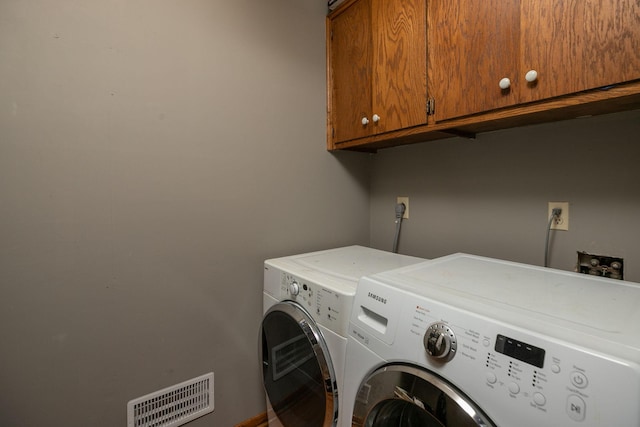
<point>400,208</point>
<point>555,213</point>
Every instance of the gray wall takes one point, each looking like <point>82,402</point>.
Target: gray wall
<point>152,155</point>
<point>489,196</point>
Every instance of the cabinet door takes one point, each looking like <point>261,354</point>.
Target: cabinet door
<point>576,45</point>
<point>473,44</point>
<point>350,65</point>
<point>400,64</point>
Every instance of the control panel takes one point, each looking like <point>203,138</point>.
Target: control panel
<point>326,306</point>
<point>516,376</point>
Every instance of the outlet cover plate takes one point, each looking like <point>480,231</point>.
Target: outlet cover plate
<point>561,223</point>
<point>404,200</point>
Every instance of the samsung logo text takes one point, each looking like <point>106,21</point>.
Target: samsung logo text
<point>377,298</point>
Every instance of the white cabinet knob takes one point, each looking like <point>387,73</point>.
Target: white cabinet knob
<point>505,83</point>
<point>531,76</point>
<point>376,118</point>
<point>365,121</point>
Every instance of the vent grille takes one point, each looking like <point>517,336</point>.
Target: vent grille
<point>173,406</point>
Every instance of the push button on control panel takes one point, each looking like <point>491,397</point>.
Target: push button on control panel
<point>491,378</point>
<point>514,388</point>
<point>576,408</point>
<point>579,379</point>
<point>539,399</point>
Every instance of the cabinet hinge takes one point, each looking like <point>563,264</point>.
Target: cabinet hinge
<point>431,106</point>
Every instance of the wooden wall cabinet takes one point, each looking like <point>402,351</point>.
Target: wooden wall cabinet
<point>473,44</point>
<point>486,65</point>
<point>490,54</point>
<point>376,67</point>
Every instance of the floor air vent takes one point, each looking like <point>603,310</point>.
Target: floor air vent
<point>173,406</point>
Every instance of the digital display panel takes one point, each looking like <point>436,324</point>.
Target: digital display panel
<point>519,350</point>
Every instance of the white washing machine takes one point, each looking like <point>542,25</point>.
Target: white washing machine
<point>307,304</point>
<point>470,341</point>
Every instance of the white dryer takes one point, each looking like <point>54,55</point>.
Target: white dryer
<point>470,341</point>
<point>307,305</point>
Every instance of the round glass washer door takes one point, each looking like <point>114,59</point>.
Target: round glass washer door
<point>408,396</point>
<point>298,376</point>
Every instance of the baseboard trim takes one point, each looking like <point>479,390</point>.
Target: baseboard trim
<point>257,421</point>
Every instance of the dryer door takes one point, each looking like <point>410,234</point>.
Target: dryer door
<point>297,372</point>
<point>405,395</point>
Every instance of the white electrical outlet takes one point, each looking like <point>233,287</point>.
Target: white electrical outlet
<point>404,200</point>
<point>562,221</point>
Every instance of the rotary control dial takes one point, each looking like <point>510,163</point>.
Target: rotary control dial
<point>440,342</point>
<point>294,288</point>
